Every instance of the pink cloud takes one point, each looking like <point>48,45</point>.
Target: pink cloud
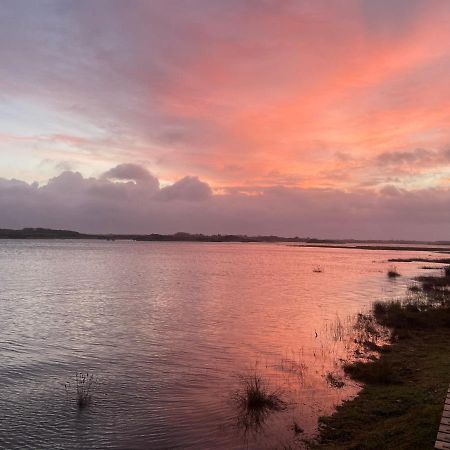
<point>72,201</point>
<point>321,96</point>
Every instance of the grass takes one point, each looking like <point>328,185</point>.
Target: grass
<point>380,371</point>
<point>256,395</point>
<point>334,381</point>
<point>401,402</point>
<point>424,260</point>
<point>393,272</point>
<point>82,388</point>
<point>255,402</point>
<point>296,428</point>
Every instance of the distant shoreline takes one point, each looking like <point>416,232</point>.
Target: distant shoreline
<point>442,249</point>
<point>45,233</point>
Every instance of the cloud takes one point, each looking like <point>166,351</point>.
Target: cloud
<point>72,201</point>
<point>188,188</point>
<point>195,90</point>
<point>418,155</point>
<point>133,172</point>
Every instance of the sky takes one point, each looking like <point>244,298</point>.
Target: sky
<point>321,118</point>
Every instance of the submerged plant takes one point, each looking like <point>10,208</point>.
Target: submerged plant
<point>82,388</point>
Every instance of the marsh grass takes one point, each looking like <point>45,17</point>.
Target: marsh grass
<point>334,380</point>
<point>447,271</point>
<point>81,389</point>
<point>401,402</point>
<point>255,402</point>
<point>255,395</point>
<point>393,272</point>
<point>296,428</point>
<point>379,371</point>
<point>414,288</point>
<point>293,366</point>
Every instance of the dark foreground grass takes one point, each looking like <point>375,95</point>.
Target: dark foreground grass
<point>401,403</point>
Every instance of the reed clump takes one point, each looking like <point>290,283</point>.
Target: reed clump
<point>393,272</point>
<point>81,388</point>
<point>256,402</point>
<point>255,395</point>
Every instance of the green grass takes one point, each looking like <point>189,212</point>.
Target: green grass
<point>401,405</point>
<point>402,400</point>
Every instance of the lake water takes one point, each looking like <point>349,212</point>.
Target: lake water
<point>169,330</point>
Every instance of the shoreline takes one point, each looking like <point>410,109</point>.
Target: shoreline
<point>47,233</point>
<point>443,249</point>
<point>403,390</point>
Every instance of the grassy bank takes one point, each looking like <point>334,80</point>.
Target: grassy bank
<point>401,403</point>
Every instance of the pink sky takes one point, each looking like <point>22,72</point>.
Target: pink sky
<point>294,117</point>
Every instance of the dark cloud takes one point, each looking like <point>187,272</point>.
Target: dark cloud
<point>72,201</point>
<point>408,157</point>
<point>131,172</point>
<point>188,188</point>
<point>419,156</point>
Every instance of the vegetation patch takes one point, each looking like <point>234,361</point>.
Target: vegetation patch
<point>81,388</point>
<point>393,272</point>
<point>256,402</point>
<point>401,402</point>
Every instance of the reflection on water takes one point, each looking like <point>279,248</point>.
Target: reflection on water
<point>170,329</point>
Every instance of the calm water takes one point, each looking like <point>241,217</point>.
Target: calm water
<point>169,329</point>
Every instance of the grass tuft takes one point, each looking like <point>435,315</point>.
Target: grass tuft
<point>334,381</point>
<point>393,272</point>
<point>255,402</point>
<point>82,388</point>
<point>256,396</point>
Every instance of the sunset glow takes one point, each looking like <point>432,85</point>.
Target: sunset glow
<point>331,99</point>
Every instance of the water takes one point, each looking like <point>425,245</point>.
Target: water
<point>169,329</point>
